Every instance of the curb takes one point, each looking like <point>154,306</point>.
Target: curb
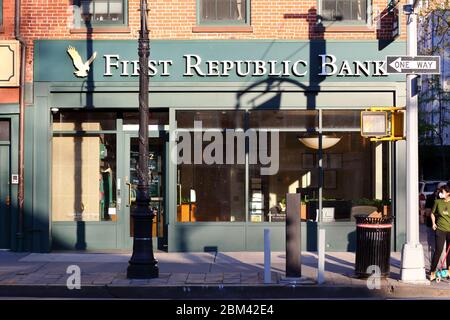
<point>223,292</point>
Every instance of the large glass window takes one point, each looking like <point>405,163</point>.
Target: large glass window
<point>101,12</point>
<point>84,167</point>
<point>155,117</point>
<point>83,177</point>
<point>341,119</point>
<point>338,168</point>
<point>355,177</point>
<point>209,191</point>
<point>344,10</point>
<point>224,11</point>
<point>300,119</point>
<point>267,193</point>
<point>84,121</point>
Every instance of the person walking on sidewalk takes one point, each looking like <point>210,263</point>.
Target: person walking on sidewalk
<point>440,218</point>
<point>429,204</point>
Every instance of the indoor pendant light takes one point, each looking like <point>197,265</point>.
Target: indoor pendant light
<point>313,142</point>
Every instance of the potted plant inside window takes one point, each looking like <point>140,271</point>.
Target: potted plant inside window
<point>383,206</point>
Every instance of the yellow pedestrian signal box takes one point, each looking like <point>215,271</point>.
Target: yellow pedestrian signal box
<point>383,124</point>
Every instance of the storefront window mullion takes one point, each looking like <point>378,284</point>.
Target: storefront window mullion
<point>247,170</point>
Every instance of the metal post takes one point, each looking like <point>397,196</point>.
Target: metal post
<point>142,264</point>
<point>413,264</point>
<point>293,236</point>
<point>321,256</point>
<point>267,272</point>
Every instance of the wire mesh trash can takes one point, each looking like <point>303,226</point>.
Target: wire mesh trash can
<point>373,245</point>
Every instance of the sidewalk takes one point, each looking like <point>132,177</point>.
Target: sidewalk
<point>195,275</point>
<point>198,275</point>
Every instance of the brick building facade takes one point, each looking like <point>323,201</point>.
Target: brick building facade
<point>177,20</point>
<point>80,133</point>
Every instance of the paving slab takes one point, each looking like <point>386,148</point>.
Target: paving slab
<point>202,275</point>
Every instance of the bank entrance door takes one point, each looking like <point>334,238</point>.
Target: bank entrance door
<point>156,169</point>
<point>5,190</point>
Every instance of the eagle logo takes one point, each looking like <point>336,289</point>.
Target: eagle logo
<point>82,68</point>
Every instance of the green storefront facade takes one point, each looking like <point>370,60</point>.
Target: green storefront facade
<point>81,142</point>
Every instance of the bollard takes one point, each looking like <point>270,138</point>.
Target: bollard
<point>321,256</point>
<point>267,272</point>
<point>293,236</point>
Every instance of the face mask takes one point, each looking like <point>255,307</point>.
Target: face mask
<point>441,195</point>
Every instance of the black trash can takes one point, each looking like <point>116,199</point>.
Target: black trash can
<point>373,245</point>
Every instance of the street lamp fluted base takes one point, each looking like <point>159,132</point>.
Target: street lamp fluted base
<point>142,264</point>
<point>143,271</point>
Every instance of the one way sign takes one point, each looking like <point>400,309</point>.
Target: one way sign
<point>413,65</point>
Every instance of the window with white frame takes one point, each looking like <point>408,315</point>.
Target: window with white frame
<point>223,11</point>
<point>101,12</point>
<point>344,10</point>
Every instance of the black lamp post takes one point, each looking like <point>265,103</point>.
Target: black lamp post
<point>142,264</point>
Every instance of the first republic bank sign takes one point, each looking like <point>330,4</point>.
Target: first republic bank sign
<point>195,66</point>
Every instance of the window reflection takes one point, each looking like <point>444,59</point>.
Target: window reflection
<point>84,177</point>
<point>84,121</point>
<point>223,10</point>
<point>267,193</point>
<point>102,11</point>
<point>355,178</point>
<point>210,192</point>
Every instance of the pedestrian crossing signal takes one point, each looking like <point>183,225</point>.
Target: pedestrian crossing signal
<point>383,124</point>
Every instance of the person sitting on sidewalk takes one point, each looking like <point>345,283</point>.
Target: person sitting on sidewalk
<point>440,218</point>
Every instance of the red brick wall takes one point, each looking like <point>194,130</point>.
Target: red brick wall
<point>7,29</point>
<point>175,19</point>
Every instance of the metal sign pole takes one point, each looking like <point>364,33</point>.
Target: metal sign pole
<point>413,265</point>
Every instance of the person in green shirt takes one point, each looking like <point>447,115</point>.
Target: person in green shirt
<point>440,217</point>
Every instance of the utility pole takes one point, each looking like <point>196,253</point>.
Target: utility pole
<point>413,264</point>
<point>142,264</point>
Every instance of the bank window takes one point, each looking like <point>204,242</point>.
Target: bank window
<point>223,11</point>
<point>84,166</point>
<point>296,163</point>
<point>155,117</point>
<point>284,119</point>
<point>353,176</point>
<point>209,192</point>
<point>101,12</point>
<point>348,119</point>
<point>83,177</point>
<point>347,11</point>
<point>84,121</point>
